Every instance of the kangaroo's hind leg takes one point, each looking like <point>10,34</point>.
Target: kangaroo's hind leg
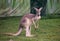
<point>28,32</point>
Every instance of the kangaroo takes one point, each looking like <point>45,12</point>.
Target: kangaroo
<point>26,22</point>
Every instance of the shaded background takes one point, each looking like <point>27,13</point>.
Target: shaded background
<point>21,7</point>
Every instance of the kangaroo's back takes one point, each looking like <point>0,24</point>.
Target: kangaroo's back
<point>27,19</point>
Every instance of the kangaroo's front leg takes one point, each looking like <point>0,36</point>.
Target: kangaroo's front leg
<point>35,24</point>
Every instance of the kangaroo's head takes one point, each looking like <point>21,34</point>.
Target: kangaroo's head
<point>38,12</point>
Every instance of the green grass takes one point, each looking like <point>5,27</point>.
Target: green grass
<point>49,30</point>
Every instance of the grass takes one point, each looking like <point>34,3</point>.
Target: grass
<point>49,30</point>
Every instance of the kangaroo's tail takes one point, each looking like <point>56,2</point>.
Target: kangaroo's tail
<point>14,34</point>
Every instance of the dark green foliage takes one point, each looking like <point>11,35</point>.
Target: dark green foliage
<point>38,4</point>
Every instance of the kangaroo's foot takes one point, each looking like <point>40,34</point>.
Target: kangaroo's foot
<point>30,35</point>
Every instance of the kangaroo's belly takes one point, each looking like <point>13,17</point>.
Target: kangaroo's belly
<point>28,22</point>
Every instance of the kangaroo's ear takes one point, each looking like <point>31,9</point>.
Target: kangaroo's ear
<point>40,8</point>
<point>36,9</point>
